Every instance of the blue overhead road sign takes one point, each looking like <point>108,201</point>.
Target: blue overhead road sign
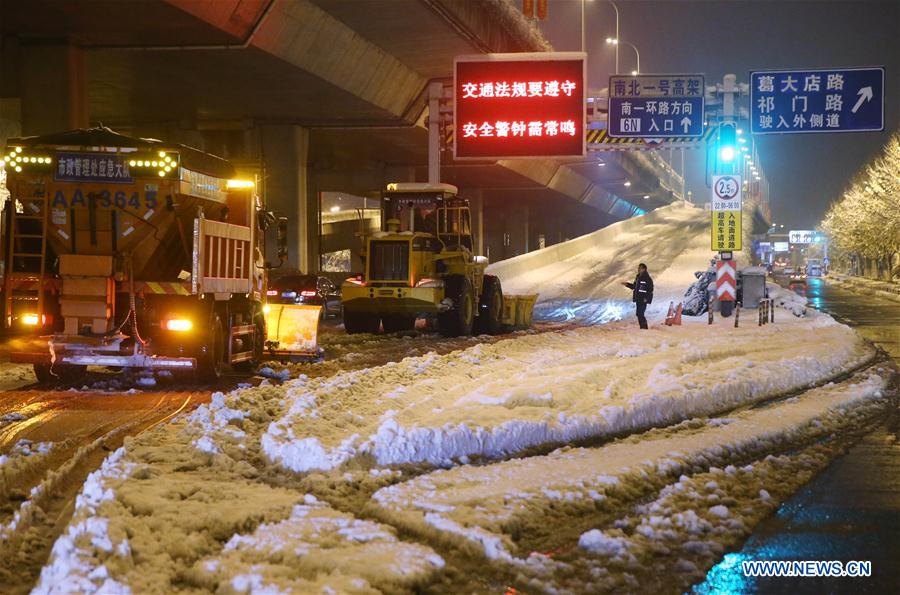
<point>655,106</point>
<point>826,100</point>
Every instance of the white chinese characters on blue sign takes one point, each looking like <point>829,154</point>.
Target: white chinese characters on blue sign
<point>649,106</point>
<point>92,167</point>
<point>833,100</point>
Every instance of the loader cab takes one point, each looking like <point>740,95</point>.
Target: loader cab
<point>433,209</point>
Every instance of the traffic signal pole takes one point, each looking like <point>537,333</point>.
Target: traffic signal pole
<point>729,90</point>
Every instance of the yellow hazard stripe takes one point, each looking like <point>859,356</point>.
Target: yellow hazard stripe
<point>166,288</point>
<point>594,136</point>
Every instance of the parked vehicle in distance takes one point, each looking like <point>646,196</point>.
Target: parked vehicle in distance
<point>308,290</point>
<point>778,267</point>
<point>797,278</point>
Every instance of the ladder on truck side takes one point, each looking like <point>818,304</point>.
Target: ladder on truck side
<point>26,262</point>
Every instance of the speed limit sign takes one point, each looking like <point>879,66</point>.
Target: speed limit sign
<point>726,195</point>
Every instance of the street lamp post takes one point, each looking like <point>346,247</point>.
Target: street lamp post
<point>616,8</point>
<point>616,41</point>
<point>637,56</point>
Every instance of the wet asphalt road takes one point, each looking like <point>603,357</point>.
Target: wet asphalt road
<point>851,511</point>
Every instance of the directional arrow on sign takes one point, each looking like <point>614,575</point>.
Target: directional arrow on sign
<point>865,94</point>
<point>686,124</point>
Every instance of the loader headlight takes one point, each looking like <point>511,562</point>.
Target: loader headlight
<point>179,325</point>
<point>30,319</point>
<point>426,282</point>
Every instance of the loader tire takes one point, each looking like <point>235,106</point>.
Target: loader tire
<point>361,322</point>
<point>458,320</point>
<point>211,360</point>
<point>490,307</point>
<point>397,323</point>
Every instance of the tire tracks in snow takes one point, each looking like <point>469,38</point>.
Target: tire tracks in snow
<point>467,568</point>
<point>28,536</point>
<point>557,527</point>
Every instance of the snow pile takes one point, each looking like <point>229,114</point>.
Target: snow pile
<point>268,372</point>
<point>14,376</point>
<point>482,507</point>
<point>784,298</point>
<point>884,289</point>
<point>581,279</point>
<point>24,448</point>
<point>494,400</point>
<point>11,418</point>
<point>216,418</point>
<point>318,549</point>
<point>79,556</point>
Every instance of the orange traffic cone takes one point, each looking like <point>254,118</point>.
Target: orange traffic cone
<point>670,315</point>
<point>677,321</point>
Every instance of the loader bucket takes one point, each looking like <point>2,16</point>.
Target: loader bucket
<point>518,310</point>
<point>292,330</point>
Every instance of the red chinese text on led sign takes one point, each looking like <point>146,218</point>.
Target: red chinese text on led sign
<point>519,108</point>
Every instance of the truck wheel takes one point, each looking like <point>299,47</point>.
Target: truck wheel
<point>361,322</point>
<point>397,323</point>
<point>259,343</point>
<point>490,307</point>
<point>458,320</point>
<point>211,360</point>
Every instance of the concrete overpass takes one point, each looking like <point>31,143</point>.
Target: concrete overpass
<point>315,95</point>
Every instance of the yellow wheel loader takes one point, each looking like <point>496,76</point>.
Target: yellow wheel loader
<point>422,262</point>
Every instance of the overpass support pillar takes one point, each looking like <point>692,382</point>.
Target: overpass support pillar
<point>476,207</point>
<point>284,151</point>
<point>53,87</point>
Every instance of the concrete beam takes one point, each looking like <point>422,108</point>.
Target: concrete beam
<point>303,35</point>
<point>53,88</point>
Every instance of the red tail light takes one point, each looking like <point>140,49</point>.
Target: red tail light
<point>308,293</point>
<point>272,292</point>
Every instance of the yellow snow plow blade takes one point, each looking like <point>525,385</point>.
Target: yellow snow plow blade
<point>292,330</point>
<point>518,310</point>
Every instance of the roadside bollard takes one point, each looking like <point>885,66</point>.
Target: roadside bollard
<point>710,314</point>
<point>737,315</point>
<point>759,313</point>
<point>772,310</point>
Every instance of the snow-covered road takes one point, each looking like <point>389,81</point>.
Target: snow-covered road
<point>572,458</point>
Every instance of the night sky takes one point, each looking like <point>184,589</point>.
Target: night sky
<point>806,171</point>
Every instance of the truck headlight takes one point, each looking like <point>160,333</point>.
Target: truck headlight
<point>179,325</point>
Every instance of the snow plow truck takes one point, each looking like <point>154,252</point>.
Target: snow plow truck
<point>131,252</point>
<point>422,263</point>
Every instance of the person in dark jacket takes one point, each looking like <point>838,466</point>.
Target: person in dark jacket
<point>641,293</point>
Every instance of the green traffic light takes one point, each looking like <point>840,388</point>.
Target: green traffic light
<point>727,142</point>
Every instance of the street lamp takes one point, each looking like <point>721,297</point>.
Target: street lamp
<point>616,41</point>
<point>616,8</point>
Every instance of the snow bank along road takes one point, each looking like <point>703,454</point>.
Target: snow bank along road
<point>580,280</point>
<point>586,459</point>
